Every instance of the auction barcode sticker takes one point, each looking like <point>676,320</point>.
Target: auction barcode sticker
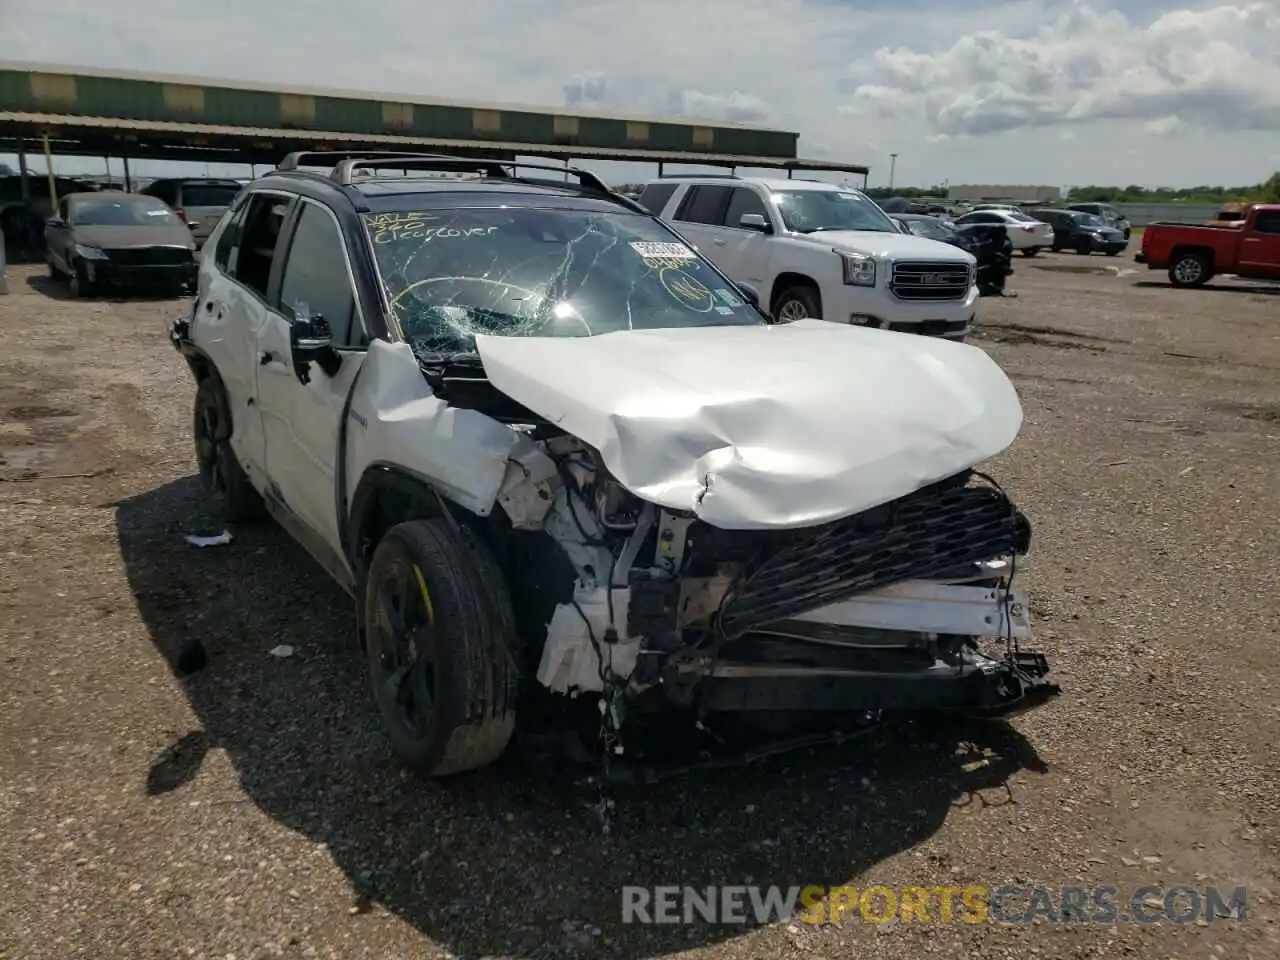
<point>654,250</point>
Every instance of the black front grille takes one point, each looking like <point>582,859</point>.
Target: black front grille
<point>931,328</point>
<point>929,280</point>
<point>150,256</point>
<point>927,533</point>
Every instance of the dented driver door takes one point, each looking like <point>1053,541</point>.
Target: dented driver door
<point>302,409</point>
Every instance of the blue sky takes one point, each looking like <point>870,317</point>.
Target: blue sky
<point>1058,92</point>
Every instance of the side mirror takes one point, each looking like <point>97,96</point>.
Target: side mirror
<point>749,293</point>
<point>755,221</point>
<point>55,222</point>
<point>311,340</point>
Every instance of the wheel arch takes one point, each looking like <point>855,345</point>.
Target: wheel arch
<point>791,278</point>
<point>1183,249</point>
<point>198,362</point>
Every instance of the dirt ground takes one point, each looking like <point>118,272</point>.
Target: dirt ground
<point>254,810</point>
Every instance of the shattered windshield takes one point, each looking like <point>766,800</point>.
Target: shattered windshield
<point>536,272</point>
<point>808,211</point>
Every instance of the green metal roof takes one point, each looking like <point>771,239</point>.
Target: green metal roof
<point>89,109</point>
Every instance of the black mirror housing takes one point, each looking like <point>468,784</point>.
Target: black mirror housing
<point>311,341</point>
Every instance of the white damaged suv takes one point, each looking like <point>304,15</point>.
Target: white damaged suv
<point>575,480</point>
<point>814,249</point>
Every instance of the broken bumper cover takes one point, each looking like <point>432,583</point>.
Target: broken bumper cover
<point>866,653</point>
<point>982,686</point>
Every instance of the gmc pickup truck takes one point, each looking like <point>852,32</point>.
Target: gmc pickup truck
<point>1195,253</point>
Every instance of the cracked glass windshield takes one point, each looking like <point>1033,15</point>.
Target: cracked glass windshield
<point>537,272</point>
<point>809,211</point>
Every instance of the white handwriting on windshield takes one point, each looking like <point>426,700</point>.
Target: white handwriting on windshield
<point>392,227</point>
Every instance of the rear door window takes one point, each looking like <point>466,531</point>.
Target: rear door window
<point>704,204</point>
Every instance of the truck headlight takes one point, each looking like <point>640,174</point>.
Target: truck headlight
<point>859,269</point>
<point>90,253</point>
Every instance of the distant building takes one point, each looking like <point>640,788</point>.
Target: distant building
<point>977,193</point>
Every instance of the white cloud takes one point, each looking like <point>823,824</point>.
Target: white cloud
<point>927,80</point>
<point>1214,67</point>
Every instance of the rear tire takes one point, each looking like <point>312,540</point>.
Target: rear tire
<point>1031,251</point>
<point>221,475</point>
<point>1190,270</point>
<point>439,647</point>
<point>798,302</point>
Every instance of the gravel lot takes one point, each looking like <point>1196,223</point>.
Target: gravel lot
<point>254,810</point>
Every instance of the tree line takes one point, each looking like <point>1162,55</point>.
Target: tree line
<point>1267,191</point>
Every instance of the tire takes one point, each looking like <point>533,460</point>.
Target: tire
<point>447,641</point>
<point>53,272</point>
<point>221,475</point>
<point>797,303</point>
<point>1031,251</point>
<point>1084,248</point>
<point>78,284</point>
<point>1113,253</point>
<point>1190,270</point>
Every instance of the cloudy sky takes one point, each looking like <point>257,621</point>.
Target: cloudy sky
<point>1020,91</point>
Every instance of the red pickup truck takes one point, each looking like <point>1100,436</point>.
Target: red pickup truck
<point>1195,253</point>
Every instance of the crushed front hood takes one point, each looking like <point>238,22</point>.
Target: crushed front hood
<point>765,426</point>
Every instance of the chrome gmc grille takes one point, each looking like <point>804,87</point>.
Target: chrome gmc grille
<point>929,280</point>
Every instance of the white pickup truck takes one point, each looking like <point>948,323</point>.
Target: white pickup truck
<point>814,249</point>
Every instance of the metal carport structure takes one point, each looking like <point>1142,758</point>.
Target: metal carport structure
<point>158,116</point>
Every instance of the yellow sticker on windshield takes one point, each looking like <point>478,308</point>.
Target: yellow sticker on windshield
<point>690,292</point>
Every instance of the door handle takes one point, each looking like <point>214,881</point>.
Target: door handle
<point>717,241</point>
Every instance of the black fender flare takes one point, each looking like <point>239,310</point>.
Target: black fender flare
<point>378,477</point>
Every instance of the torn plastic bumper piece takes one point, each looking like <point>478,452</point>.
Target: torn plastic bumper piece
<point>180,333</point>
<point>980,686</point>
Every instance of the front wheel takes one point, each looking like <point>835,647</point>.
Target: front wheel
<point>78,283</point>
<point>1190,270</point>
<point>439,644</point>
<point>797,303</point>
<point>1031,251</point>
